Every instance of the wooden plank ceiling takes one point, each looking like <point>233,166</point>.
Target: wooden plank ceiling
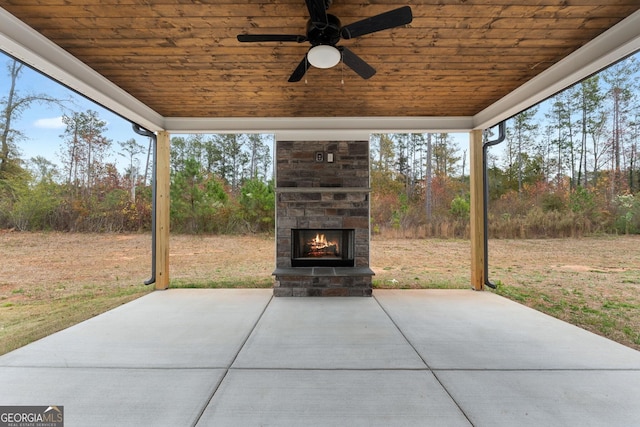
<point>182,58</point>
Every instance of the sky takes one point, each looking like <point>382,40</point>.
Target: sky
<point>42,124</point>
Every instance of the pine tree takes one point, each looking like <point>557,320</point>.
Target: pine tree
<point>623,85</point>
<point>589,101</point>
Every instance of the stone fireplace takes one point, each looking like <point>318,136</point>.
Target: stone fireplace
<point>322,219</point>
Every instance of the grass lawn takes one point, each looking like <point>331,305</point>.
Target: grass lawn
<point>50,281</point>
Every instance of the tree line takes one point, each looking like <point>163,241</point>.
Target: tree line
<point>219,183</point>
<point>222,184</point>
<point>567,167</point>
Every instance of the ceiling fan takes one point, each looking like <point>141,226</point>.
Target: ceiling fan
<point>324,31</point>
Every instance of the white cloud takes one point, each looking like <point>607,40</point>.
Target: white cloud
<point>49,123</point>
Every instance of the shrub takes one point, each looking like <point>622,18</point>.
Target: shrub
<point>460,208</point>
<point>34,207</point>
<point>257,202</point>
<point>552,202</point>
<point>627,218</point>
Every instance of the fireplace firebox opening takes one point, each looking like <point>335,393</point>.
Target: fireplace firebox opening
<point>322,247</point>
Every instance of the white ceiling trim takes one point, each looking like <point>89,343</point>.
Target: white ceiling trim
<point>22,42</point>
<point>319,128</point>
<point>611,46</point>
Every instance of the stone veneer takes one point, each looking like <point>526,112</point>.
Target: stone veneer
<point>314,193</point>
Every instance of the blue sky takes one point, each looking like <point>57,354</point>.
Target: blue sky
<point>42,123</point>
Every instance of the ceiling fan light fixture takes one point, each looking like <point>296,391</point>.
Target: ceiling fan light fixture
<point>324,56</point>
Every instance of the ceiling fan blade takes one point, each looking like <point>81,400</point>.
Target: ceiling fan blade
<point>300,70</point>
<point>270,38</point>
<point>357,64</point>
<point>318,13</point>
<point>393,18</point>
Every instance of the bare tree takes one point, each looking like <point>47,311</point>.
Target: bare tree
<point>131,149</point>
<point>13,105</point>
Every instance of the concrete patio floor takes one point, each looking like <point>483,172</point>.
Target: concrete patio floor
<point>402,358</point>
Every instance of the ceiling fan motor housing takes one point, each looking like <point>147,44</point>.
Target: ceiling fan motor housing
<point>328,33</point>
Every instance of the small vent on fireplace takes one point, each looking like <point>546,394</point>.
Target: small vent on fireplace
<point>322,247</point>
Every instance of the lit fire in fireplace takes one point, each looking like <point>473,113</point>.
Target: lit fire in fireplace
<point>322,247</point>
<point>319,246</point>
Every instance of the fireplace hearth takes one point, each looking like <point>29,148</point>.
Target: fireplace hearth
<point>322,219</point>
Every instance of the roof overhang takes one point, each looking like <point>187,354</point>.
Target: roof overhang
<point>22,42</point>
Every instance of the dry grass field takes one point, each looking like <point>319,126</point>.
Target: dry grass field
<point>49,281</point>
